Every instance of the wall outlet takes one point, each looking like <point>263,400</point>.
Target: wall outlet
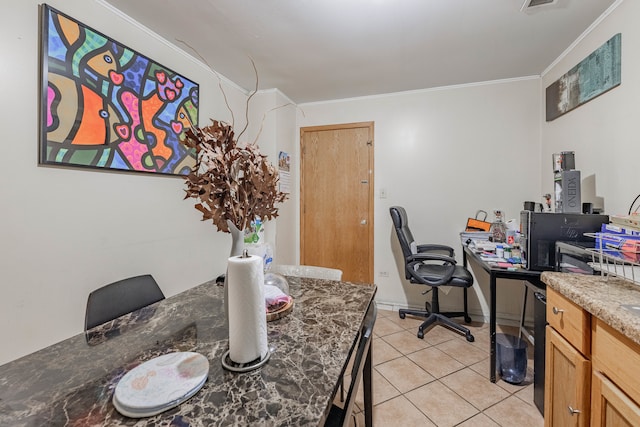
<point>384,274</point>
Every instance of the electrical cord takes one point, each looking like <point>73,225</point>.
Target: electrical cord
<point>632,203</point>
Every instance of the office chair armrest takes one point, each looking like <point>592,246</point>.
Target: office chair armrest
<point>417,259</point>
<point>435,247</point>
<point>422,257</point>
<point>443,280</point>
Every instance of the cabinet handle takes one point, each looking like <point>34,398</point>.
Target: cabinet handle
<point>573,411</point>
<point>557,310</point>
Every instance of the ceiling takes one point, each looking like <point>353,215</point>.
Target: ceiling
<point>314,50</point>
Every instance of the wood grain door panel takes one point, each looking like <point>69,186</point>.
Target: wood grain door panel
<point>336,196</point>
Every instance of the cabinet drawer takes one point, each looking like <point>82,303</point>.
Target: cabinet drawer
<point>617,357</point>
<point>570,320</point>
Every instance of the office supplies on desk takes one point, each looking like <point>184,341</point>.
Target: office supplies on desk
<point>467,238</point>
<point>482,245</point>
<point>630,222</point>
<point>491,258</point>
<point>477,224</point>
<point>498,227</point>
<point>505,264</point>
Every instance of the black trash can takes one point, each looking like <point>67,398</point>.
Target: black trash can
<point>512,358</point>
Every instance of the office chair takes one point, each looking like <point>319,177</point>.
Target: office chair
<point>119,298</point>
<point>432,265</point>
<point>341,416</point>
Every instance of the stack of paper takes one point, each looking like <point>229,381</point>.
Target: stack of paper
<point>469,237</point>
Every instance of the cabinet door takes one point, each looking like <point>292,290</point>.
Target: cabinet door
<point>567,384</point>
<point>610,406</point>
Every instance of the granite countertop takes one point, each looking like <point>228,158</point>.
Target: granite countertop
<point>71,383</point>
<point>603,297</point>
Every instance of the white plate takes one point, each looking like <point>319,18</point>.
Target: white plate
<point>160,384</point>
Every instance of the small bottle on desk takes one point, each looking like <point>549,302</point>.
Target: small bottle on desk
<point>507,252</point>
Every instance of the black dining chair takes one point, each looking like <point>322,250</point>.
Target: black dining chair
<point>431,265</point>
<point>119,298</point>
<point>341,416</point>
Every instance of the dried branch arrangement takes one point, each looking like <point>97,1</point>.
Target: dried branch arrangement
<point>232,181</point>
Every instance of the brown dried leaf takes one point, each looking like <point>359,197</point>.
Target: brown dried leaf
<point>232,181</point>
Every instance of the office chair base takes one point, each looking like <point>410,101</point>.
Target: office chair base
<point>467,318</point>
<point>440,319</point>
<point>426,313</point>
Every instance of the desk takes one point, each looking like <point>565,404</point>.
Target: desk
<point>72,382</point>
<point>532,277</point>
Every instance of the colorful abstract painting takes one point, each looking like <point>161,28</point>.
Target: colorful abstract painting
<point>104,105</point>
<point>593,76</point>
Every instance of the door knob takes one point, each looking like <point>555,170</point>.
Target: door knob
<point>363,222</point>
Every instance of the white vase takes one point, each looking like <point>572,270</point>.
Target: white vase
<point>237,247</point>
<point>237,239</point>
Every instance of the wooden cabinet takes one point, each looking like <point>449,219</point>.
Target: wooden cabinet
<point>591,376</point>
<point>610,406</point>
<point>616,390</point>
<point>568,368</point>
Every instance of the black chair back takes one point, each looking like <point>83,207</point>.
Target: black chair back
<point>119,298</point>
<point>401,225</point>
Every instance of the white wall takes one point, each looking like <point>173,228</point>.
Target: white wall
<point>443,154</point>
<point>273,129</point>
<point>288,238</point>
<point>65,232</point>
<point>603,132</point>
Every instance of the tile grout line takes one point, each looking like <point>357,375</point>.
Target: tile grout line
<point>510,392</point>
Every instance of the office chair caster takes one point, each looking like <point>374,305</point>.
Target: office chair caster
<point>467,319</point>
<point>470,337</point>
<point>420,334</point>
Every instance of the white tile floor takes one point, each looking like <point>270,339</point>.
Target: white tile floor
<point>442,380</point>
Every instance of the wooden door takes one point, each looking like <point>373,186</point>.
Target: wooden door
<point>336,199</point>
<point>567,384</point>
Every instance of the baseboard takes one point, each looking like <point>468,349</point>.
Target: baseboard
<point>508,319</point>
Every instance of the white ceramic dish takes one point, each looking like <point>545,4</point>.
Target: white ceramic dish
<point>160,384</point>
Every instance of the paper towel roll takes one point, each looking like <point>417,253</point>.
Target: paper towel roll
<point>247,316</point>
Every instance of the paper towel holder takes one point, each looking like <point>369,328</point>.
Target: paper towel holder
<point>230,365</point>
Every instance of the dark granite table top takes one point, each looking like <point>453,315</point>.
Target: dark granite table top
<point>71,383</point>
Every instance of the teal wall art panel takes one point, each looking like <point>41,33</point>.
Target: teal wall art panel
<point>593,76</point>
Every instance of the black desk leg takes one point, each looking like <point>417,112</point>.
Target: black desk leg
<point>492,328</point>
<point>492,320</point>
<point>368,388</point>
